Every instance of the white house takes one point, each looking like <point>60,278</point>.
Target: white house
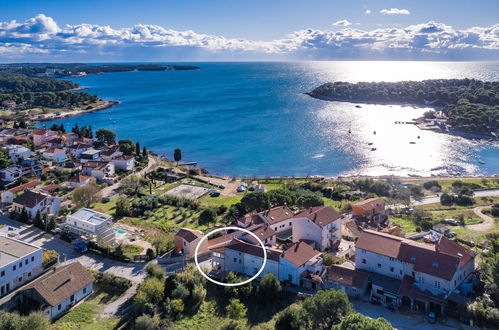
<point>77,149</point>
<point>124,163</point>
<point>79,181</point>
<point>102,171</point>
<point>59,289</point>
<point>11,174</point>
<point>36,201</point>
<point>19,262</point>
<point>97,225</point>
<point>56,155</point>
<point>297,260</point>
<point>425,274</point>
<point>41,136</point>
<point>277,217</point>
<point>320,224</point>
<point>111,153</point>
<point>17,151</point>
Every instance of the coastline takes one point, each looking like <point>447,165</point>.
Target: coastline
<point>466,135</point>
<point>70,114</point>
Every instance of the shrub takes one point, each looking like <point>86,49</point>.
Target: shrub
<point>146,322</point>
<point>269,289</point>
<point>495,210</point>
<point>154,270</point>
<point>236,309</point>
<point>207,216</point>
<point>309,200</point>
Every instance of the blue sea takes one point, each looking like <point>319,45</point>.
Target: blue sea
<point>252,119</point>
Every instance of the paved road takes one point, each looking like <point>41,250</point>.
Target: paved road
<point>436,199</point>
<point>35,236</point>
<point>487,223</point>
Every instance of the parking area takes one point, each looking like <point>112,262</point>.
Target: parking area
<point>188,191</point>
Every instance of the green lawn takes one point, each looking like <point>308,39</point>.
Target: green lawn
<point>407,225</point>
<point>85,317</point>
<point>208,201</point>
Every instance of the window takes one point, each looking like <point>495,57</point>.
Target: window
<point>84,290</point>
<point>2,273</point>
<point>20,265</point>
<point>239,260</point>
<point>20,279</point>
<point>14,268</point>
<point>26,261</point>
<point>391,269</point>
<point>59,307</point>
<point>363,261</point>
<point>32,258</point>
<point>290,223</point>
<point>72,297</point>
<point>437,284</point>
<point>401,272</point>
<point>29,274</point>
<point>235,259</point>
<point>379,265</point>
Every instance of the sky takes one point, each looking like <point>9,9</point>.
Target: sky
<point>199,30</point>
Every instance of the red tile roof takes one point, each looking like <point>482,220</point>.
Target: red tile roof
<point>30,198</point>
<point>299,253</point>
<point>25,186</point>
<point>277,214</point>
<point>370,203</point>
<point>320,215</point>
<point>441,260</point>
<point>189,234</point>
<point>79,178</point>
<point>351,277</point>
<point>254,250</point>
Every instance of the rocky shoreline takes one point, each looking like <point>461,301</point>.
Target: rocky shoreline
<point>70,114</point>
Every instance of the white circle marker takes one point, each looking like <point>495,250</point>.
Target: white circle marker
<point>230,228</point>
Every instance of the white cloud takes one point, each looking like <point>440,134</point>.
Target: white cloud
<point>41,38</point>
<point>368,11</point>
<point>395,11</point>
<point>342,22</point>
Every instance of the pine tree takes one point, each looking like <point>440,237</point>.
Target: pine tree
<point>144,152</point>
<point>76,130</point>
<point>38,221</point>
<point>137,149</point>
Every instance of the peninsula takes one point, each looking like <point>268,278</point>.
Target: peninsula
<point>462,105</point>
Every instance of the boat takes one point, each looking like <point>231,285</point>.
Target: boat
<point>373,149</point>
<point>481,161</point>
<point>374,132</point>
<point>412,142</point>
<point>419,137</point>
<point>349,131</point>
<point>358,106</point>
<point>370,144</point>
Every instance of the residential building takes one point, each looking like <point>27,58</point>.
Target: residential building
<point>372,209</point>
<point>11,174</point>
<point>31,167</point>
<point>186,241</point>
<point>56,155</point>
<point>413,273</point>
<point>276,217</point>
<point>77,149</point>
<point>34,201</point>
<point>90,155</point>
<point>9,195</point>
<point>352,281</point>
<point>41,136</point>
<point>79,181</point>
<point>124,163</point>
<point>298,260</point>
<point>59,289</point>
<point>111,153</point>
<point>17,152</point>
<point>8,104</point>
<point>320,224</point>
<point>95,225</point>
<point>20,262</point>
<point>102,171</point>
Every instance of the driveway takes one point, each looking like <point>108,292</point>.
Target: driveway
<point>488,222</point>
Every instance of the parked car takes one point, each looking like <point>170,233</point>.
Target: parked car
<point>221,186</point>
<point>450,234</point>
<point>215,193</point>
<point>451,222</point>
<point>409,211</point>
<point>432,318</point>
<point>241,188</point>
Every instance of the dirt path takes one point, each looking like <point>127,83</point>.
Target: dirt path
<point>488,222</point>
<point>112,309</point>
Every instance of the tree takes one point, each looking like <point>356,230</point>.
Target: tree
<point>105,136</point>
<point>150,291</point>
<point>35,321</point>
<point>131,185</point>
<point>292,318</point>
<point>281,197</point>
<point>4,159</point>
<point>236,309</point>
<point>256,201</point>
<point>495,210</point>
<point>154,270</point>
<point>207,216</point>
<point>162,244</point>
<point>269,289</point>
<point>327,308</point>
<point>446,199</point>
<point>356,321</point>
<point>137,149</point>
<point>310,200</point>
<point>241,291</point>
<point>86,195</point>
<point>144,152</point>
<point>147,322</point>
<point>37,221</point>
<point>122,208</point>
<point>126,147</point>
<point>177,155</point>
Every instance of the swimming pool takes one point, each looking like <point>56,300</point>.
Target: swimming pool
<point>119,231</point>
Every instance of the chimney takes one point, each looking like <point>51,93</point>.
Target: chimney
<point>70,275</point>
